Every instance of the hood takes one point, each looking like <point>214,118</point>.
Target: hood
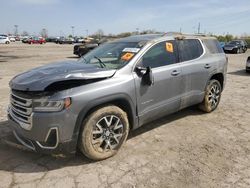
<point>39,78</point>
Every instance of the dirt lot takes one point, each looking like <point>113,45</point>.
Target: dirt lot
<point>186,149</point>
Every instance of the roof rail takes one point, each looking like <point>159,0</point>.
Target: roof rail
<point>183,34</point>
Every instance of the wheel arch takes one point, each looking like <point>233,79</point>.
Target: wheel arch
<point>121,100</point>
<point>219,77</point>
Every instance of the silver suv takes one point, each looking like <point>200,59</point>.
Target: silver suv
<point>93,103</point>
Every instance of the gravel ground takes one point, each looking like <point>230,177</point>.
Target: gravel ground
<point>186,149</point>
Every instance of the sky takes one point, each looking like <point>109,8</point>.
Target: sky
<point>116,16</point>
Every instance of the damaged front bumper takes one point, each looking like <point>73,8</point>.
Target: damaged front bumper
<point>51,144</point>
<point>44,132</point>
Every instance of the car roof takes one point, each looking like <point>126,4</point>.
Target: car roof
<point>158,37</point>
<point>139,38</point>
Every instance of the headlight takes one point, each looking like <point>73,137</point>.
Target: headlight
<point>44,105</point>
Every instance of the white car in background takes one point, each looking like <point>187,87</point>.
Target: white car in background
<point>4,40</point>
<point>12,38</point>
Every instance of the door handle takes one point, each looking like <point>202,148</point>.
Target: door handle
<point>175,73</point>
<point>207,66</point>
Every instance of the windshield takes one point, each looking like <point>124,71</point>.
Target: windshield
<point>234,42</point>
<point>112,55</point>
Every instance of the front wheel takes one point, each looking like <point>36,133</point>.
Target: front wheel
<point>212,96</point>
<point>103,132</point>
<point>238,51</point>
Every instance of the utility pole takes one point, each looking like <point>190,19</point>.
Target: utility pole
<point>180,30</point>
<point>16,30</point>
<point>137,31</point>
<point>199,28</point>
<point>73,27</point>
<point>87,32</point>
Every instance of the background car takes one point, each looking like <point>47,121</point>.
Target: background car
<point>12,38</point>
<point>236,46</point>
<point>25,39</point>
<point>4,40</point>
<point>248,65</point>
<point>87,45</point>
<point>81,49</point>
<point>51,39</point>
<point>17,38</point>
<point>36,40</point>
<point>63,40</point>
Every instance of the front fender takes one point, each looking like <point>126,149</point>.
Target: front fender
<point>111,99</point>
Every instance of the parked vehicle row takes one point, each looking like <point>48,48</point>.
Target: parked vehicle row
<point>93,103</point>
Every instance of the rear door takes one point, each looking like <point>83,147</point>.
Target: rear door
<point>195,70</point>
<point>163,97</point>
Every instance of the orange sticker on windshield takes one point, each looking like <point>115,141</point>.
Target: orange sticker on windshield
<point>127,56</point>
<point>169,47</point>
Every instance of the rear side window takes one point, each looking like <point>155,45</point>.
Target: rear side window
<point>189,49</point>
<point>213,46</point>
<point>161,54</point>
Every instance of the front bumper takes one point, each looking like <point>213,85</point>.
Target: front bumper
<point>20,142</point>
<point>46,136</point>
<point>230,50</point>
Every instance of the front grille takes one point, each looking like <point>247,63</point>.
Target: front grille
<point>21,111</point>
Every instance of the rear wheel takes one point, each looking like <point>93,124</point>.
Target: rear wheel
<point>104,132</point>
<point>212,96</point>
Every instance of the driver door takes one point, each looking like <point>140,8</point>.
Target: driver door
<point>164,95</point>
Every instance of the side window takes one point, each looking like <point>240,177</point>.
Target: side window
<point>213,46</point>
<point>161,54</point>
<point>189,49</point>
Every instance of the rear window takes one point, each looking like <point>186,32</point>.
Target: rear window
<point>213,46</point>
<point>189,49</point>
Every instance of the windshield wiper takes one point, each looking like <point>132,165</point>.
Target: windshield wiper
<point>100,62</point>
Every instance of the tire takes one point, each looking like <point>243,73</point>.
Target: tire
<point>7,42</point>
<point>103,132</point>
<point>238,51</point>
<point>212,96</point>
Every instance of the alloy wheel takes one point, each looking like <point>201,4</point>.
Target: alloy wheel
<point>214,95</point>
<point>107,133</point>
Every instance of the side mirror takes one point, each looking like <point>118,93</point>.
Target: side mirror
<point>146,74</point>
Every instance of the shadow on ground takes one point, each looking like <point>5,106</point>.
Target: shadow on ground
<point>73,57</point>
<point>6,58</point>
<point>12,158</point>
<point>239,73</point>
